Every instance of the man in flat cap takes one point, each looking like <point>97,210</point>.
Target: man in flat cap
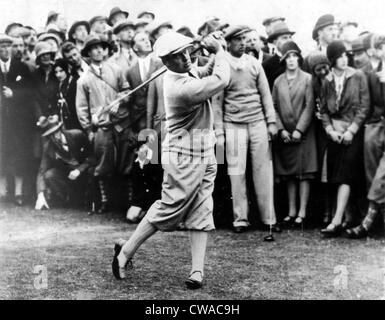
<point>188,155</point>
<point>17,115</point>
<point>125,57</point>
<point>117,15</point>
<point>279,35</point>
<point>106,127</point>
<point>66,159</point>
<point>246,117</point>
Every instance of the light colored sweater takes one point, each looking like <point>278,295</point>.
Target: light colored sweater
<point>247,98</point>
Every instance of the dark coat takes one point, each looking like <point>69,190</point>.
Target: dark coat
<point>294,105</point>
<point>138,102</point>
<point>67,110</point>
<point>273,69</point>
<point>54,156</point>
<point>45,90</point>
<point>18,119</point>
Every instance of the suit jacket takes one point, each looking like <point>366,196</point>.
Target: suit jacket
<point>273,69</point>
<point>17,116</point>
<point>54,156</point>
<point>138,101</point>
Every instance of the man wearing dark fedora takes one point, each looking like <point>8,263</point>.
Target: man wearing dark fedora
<point>117,15</point>
<point>125,57</point>
<point>65,163</point>
<point>107,128</point>
<point>78,33</point>
<point>279,35</point>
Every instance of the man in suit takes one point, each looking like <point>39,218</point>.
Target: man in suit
<point>280,34</point>
<point>145,65</point>
<point>108,129</point>
<point>17,115</point>
<point>64,164</point>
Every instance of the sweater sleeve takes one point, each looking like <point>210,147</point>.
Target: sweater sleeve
<point>307,113</point>
<point>196,91</point>
<point>264,90</point>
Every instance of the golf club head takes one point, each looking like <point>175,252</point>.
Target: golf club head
<point>269,238</point>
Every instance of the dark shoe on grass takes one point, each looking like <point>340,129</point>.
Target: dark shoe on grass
<point>194,284</point>
<point>118,272</point>
<point>332,231</point>
<point>240,229</point>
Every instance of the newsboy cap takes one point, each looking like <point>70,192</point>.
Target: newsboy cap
<point>114,11</point>
<point>322,22</point>
<point>5,39</point>
<point>171,43</point>
<point>270,20</point>
<point>92,40</point>
<point>334,51</point>
<point>235,31</point>
<point>289,47</point>
<point>279,29</point>
<point>74,27</point>
<point>122,25</point>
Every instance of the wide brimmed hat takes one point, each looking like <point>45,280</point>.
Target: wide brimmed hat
<point>235,31</point>
<point>43,47</point>
<point>93,40</point>
<point>46,36</point>
<point>270,20</point>
<point>289,47</point>
<point>140,15</point>
<point>114,11</point>
<point>322,22</point>
<point>5,39</point>
<point>75,25</point>
<point>171,43</point>
<point>279,29</point>
<point>123,24</point>
<point>49,125</point>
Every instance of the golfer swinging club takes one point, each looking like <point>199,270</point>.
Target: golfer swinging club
<point>188,155</point>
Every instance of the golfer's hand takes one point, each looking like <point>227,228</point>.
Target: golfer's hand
<point>8,93</point>
<point>74,174</point>
<point>296,136</point>
<point>335,136</point>
<point>347,138</point>
<point>41,203</point>
<point>114,109</point>
<point>212,44</point>
<point>272,130</point>
<point>285,136</point>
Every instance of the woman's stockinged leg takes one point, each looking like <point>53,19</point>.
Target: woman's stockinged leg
<point>343,195</point>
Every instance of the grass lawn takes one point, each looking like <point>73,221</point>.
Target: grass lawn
<point>77,249</point>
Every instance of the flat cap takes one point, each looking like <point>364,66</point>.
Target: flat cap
<point>270,20</point>
<point>5,39</point>
<point>235,31</point>
<point>171,43</point>
<point>122,25</point>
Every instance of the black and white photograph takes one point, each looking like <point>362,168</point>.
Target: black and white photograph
<point>205,150</point>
